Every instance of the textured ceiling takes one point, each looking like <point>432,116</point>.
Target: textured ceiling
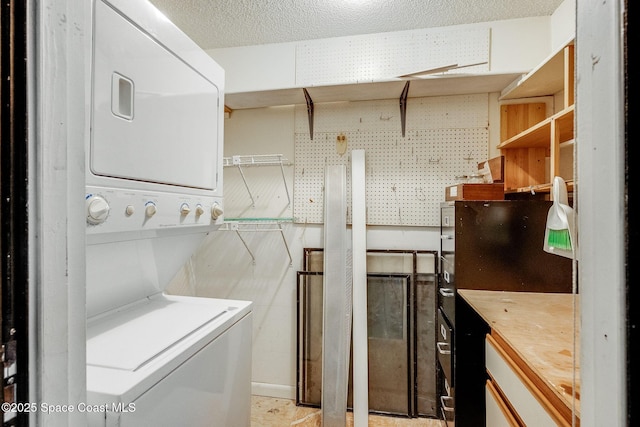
<point>231,23</point>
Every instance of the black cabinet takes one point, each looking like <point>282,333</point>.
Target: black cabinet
<point>460,336</point>
<point>498,245</point>
<point>487,245</point>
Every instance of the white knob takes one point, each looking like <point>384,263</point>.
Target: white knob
<point>150,209</point>
<point>97,210</point>
<point>216,211</point>
<point>129,210</point>
<point>184,209</point>
<point>199,210</point>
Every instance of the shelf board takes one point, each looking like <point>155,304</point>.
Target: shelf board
<point>546,79</point>
<point>256,160</point>
<point>536,136</point>
<point>539,188</point>
<point>432,85</point>
<point>564,123</point>
<point>258,220</point>
<point>568,144</point>
<point>539,135</point>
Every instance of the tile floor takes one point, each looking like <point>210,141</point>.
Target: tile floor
<point>275,412</point>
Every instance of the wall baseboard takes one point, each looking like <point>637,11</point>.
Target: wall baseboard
<point>273,390</point>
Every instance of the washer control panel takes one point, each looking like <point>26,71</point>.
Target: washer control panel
<point>117,210</point>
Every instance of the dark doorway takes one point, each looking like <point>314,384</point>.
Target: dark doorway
<point>13,211</point>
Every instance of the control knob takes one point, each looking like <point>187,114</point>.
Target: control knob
<point>97,209</point>
<point>216,211</point>
<point>185,209</point>
<point>199,210</point>
<point>150,209</point>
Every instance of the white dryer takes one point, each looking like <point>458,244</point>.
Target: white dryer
<point>153,192</point>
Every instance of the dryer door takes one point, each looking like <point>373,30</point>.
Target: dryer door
<point>155,118</point>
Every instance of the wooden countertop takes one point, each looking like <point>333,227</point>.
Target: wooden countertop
<point>540,328</point>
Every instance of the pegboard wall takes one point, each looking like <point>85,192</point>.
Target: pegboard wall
<point>405,176</point>
<point>383,56</point>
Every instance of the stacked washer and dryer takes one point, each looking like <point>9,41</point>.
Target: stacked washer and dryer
<point>153,192</point>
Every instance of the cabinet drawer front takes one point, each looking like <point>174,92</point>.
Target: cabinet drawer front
<point>498,413</point>
<point>522,400</point>
<point>447,265</point>
<point>447,229</point>
<point>447,217</point>
<point>444,347</point>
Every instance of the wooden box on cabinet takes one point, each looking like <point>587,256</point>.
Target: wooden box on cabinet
<point>496,168</point>
<point>494,191</point>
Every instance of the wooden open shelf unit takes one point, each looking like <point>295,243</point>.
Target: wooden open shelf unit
<point>536,147</point>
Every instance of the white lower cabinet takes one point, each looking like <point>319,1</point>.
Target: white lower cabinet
<point>499,414</point>
<point>512,398</point>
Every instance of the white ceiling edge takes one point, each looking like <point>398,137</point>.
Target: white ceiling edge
<point>234,23</point>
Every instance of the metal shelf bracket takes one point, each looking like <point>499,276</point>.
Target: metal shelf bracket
<point>307,97</point>
<point>403,107</point>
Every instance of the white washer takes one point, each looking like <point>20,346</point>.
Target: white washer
<point>153,192</point>
<point>170,361</point>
